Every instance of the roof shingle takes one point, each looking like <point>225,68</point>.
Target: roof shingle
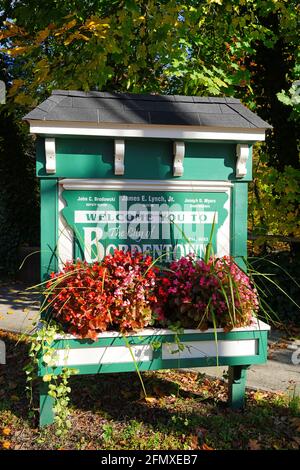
<point>126,108</point>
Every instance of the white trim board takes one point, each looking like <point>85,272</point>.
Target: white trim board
<point>54,128</point>
<point>202,349</point>
<point>122,354</point>
<point>65,234</point>
<point>145,185</point>
<point>257,325</point>
<point>106,355</point>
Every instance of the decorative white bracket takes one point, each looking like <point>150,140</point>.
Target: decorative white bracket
<point>242,153</point>
<point>179,151</point>
<point>50,155</point>
<point>119,157</point>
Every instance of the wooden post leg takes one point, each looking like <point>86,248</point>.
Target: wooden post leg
<point>46,406</point>
<point>236,386</point>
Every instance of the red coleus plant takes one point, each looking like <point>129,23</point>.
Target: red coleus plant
<point>200,295</point>
<point>117,293</point>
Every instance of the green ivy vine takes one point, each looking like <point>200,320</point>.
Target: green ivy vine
<point>59,389</point>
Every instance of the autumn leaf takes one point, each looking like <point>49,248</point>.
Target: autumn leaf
<point>295,423</point>
<point>206,447</point>
<point>65,28</point>
<point>194,443</point>
<point>253,444</point>
<point>150,399</point>
<point>297,440</point>
<point>5,34</point>
<point>16,51</point>
<point>24,99</point>
<point>6,445</point>
<point>11,31</point>
<point>69,39</point>
<point>42,35</point>
<point>96,23</point>
<point>258,396</point>
<point>75,36</point>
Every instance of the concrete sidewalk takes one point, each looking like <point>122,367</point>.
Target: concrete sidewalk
<point>19,312</point>
<point>278,374</point>
<point>19,308</point>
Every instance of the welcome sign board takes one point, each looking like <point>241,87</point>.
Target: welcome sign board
<point>165,224</point>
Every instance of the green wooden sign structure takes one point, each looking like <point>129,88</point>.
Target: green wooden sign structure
<point>154,174</point>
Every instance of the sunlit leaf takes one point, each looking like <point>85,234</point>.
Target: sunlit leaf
<point>6,445</point>
<point>254,444</point>
<point>206,447</point>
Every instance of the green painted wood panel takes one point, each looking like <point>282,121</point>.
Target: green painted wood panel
<point>40,157</point>
<point>92,157</point>
<point>209,161</point>
<point>79,158</point>
<point>239,222</point>
<point>46,405</point>
<point>148,159</point>
<point>49,209</point>
<point>237,383</point>
<point>157,364</point>
<point>140,340</point>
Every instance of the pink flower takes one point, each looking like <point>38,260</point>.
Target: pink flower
<point>197,290</point>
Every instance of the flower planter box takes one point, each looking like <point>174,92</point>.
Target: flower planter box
<point>156,349</point>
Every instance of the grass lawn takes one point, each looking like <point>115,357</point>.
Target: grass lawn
<point>183,411</point>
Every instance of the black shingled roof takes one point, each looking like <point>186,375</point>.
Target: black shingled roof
<point>127,108</point>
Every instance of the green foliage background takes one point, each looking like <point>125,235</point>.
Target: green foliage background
<point>284,270</point>
<point>19,206</point>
